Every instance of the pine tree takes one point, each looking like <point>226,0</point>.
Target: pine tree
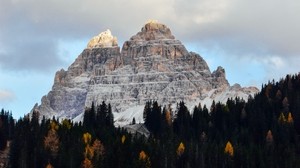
<point>102,115</point>
<point>89,116</point>
<point>147,115</point>
<point>153,118</point>
<point>285,105</point>
<point>3,137</point>
<point>269,137</point>
<point>133,121</point>
<point>182,122</point>
<point>109,117</point>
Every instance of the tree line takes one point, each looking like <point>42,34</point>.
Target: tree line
<point>262,132</point>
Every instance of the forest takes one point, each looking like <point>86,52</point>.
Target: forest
<point>260,132</point>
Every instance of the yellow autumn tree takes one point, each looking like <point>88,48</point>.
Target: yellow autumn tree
<point>51,141</point>
<point>168,117</point>
<point>66,123</point>
<point>281,118</point>
<point>180,149</point>
<point>229,149</point>
<point>88,151</point>
<point>290,119</point>
<point>87,163</point>
<point>98,148</point>
<point>123,139</point>
<point>143,157</point>
<point>49,166</point>
<point>87,137</point>
<point>54,125</point>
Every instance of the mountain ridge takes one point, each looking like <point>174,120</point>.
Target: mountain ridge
<point>152,65</point>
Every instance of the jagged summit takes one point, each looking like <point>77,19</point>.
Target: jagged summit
<point>153,30</point>
<point>152,65</point>
<point>103,40</point>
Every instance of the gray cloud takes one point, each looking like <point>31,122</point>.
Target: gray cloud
<point>256,28</point>
<point>261,31</point>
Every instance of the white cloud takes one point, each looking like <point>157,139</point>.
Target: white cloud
<point>6,96</point>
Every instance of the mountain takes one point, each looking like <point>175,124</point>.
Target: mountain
<point>152,65</point>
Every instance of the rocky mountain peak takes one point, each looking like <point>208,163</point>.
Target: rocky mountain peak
<point>153,30</point>
<point>219,76</point>
<point>103,40</point>
<point>152,65</point>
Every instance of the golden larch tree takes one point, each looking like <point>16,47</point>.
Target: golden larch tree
<point>88,151</point>
<point>229,149</point>
<point>87,138</point>
<point>49,166</point>
<point>123,139</point>
<point>281,118</point>
<point>180,149</point>
<point>66,123</point>
<point>51,141</point>
<point>143,157</point>
<point>87,163</point>
<point>168,117</point>
<point>290,119</point>
<point>98,148</point>
<point>54,125</point>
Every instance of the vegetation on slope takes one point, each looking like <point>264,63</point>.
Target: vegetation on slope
<point>263,132</point>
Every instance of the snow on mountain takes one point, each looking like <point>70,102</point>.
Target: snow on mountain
<point>152,65</point>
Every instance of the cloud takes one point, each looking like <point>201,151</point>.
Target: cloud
<point>255,28</point>
<point>265,31</point>
<point>31,31</point>
<point>6,96</point>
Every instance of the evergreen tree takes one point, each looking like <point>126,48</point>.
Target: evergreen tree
<point>182,122</point>
<point>109,117</point>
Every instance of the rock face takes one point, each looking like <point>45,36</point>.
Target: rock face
<point>152,65</point>
<point>104,39</point>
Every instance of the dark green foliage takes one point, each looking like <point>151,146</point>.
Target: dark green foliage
<point>153,118</point>
<point>182,122</point>
<point>6,128</point>
<point>259,136</point>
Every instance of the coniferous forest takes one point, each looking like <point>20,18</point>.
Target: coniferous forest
<point>262,132</point>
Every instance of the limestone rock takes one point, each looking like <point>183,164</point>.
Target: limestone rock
<point>153,30</point>
<point>152,65</point>
<point>220,80</point>
<point>104,39</point>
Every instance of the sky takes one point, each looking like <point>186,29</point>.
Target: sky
<point>254,40</point>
